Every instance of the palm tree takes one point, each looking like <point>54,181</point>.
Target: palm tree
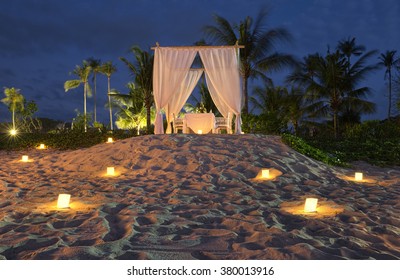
<point>297,107</point>
<point>83,73</point>
<point>108,69</point>
<point>354,102</point>
<point>333,86</point>
<point>14,99</point>
<point>258,55</point>
<point>95,65</point>
<point>131,108</point>
<point>389,60</point>
<point>271,101</point>
<point>143,73</point>
<point>348,48</point>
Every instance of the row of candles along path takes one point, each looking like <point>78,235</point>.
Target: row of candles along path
<point>310,205</point>
<point>63,200</point>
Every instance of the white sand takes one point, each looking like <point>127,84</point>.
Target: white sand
<point>194,197</point>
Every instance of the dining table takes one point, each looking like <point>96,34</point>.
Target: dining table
<point>199,123</point>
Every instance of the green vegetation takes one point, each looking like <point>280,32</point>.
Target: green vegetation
<point>14,100</point>
<point>64,140</point>
<point>301,146</point>
<point>108,69</point>
<point>259,55</point>
<point>333,85</point>
<point>142,70</point>
<point>132,113</point>
<point>95,65</point>
<point>389,61</point>
<point>375,142</point>
<point>82,72</point>
<point>372,141</point>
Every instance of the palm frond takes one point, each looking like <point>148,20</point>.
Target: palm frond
<point>223,33</point>
<point>276,62</point>
<point>71,84</point>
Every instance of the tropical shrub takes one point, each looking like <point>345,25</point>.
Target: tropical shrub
<point>301,146</point>
<point>263,124</point>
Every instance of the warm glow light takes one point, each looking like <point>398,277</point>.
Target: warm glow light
<point>358,176</point>
<point>199,131</point>
<point>63,200</point>
<point>110,140</point>
<point>311,205</point>
<point>42,147</point>
<point>13,132</point>
<point>110,171</point>
<point>265,173</point>
<point>25,158</point>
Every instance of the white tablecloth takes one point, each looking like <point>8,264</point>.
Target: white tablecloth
<point>204,122</point>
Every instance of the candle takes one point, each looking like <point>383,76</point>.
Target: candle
<point>109,140</point>
<point>63,200</point>
<point>358,176</point>
<point>110,171</point>
<point>25,158</point>
<point>310,205</point>
<point>265,173</point>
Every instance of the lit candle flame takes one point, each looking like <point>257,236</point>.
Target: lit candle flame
<point>110,140</point>
<point>199,131</point>
<point>25,158</point>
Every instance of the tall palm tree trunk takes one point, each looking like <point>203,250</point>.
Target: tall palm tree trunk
<point>296,127</point>
<point>95,99</point>
<point>13,117</point>
<point>246,97</point>
<point>335,124</point>
<point>109,105</point>
<point>84,105</point>
<point>390,94</point>
<point>148,115</point>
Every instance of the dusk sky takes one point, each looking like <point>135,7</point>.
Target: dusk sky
<point>42,41</point>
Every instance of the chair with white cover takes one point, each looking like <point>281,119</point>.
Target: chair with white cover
<point>222,123</point>
<point>177,124</point>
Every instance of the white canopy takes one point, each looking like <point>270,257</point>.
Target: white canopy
<point>173,80</point>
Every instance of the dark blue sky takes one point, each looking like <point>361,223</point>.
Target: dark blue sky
<point>42,41</point>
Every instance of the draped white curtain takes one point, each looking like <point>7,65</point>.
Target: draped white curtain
<point>170,69</point>
<point>179,98</point>
<point>223,79</point>
<point>219,103</point>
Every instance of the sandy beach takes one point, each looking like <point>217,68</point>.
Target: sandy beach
<point>194,197</point>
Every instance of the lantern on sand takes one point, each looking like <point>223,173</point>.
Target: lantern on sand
<point>310,205</point>
<point>358,176</point>
<point>265,173</point>
<point>63,200</point>
<point>110,171</point>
